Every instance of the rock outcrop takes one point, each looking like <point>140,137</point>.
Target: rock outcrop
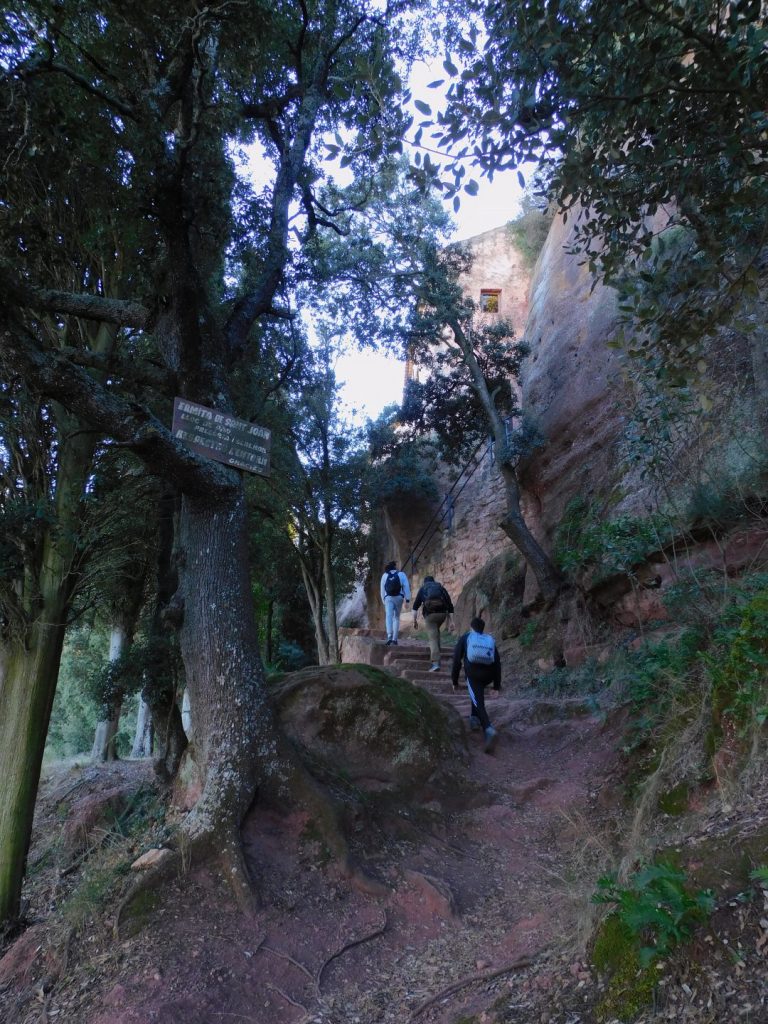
<point>608,441</point>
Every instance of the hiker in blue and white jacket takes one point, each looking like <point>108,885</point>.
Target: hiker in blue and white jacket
<point>482,667</point>
<point>394,589</point>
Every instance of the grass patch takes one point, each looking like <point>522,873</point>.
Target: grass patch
<point>630,986</point>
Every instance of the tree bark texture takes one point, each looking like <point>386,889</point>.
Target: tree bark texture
<point>549,578</point>
<point>330,604</point>
<point>31,664</point>
<point>143,737</point>
<point>315,599</point>
<point>26,698</point>
<point>237,745</point>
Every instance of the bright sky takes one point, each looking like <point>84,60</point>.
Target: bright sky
<point>370,380</point>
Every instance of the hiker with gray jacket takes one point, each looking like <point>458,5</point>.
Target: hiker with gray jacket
<point>478,653</point>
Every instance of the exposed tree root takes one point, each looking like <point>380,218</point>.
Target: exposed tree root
<point>309,794</point>
<point>290,959</point>
<point>289,999</point>
<point>350,945</point>
<point>516,965</point>
<point>153,878</point>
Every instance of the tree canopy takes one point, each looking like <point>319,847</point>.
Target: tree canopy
<point>648,121</point>
<point>138,263</point>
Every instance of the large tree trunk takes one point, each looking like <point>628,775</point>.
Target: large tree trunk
<point>234,733</point>
<point>549,578</point>
<point>330,604</point>
<point>161,696</point>
<point>31,663</point>
<point>105,738</point>
<point>143,737</point>
<point>27,689</point>
<point>237,745</point>
<point>315,598</point>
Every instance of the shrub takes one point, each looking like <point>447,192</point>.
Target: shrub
<point>656,907</point>
<point>738,666</point>
<point>529,230</point>
<point>583,540</point>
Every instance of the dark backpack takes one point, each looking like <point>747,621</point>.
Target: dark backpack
<point>434,599</point>
<point>393,585</point>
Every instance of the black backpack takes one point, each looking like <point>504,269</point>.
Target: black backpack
<point>393,585</point>
<point>434,599</point>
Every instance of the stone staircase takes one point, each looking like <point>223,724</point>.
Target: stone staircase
<point>410,660</point>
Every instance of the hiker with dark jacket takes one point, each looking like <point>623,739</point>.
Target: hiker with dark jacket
<point>477,651</point>
<point>437,606</point>
<point>394,589</point>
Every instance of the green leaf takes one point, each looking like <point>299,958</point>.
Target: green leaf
<point>422,107</point>
<point>471,188</point>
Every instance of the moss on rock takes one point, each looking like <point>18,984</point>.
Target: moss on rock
<point>630,986</point>
<point>368,729</point>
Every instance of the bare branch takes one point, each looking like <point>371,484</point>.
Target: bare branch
<point>89,307</point>
<point>124,420</point>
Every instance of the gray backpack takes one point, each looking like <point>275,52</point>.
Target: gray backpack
<point>481,648</point>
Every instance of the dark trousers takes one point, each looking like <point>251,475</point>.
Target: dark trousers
<point>477,696</point>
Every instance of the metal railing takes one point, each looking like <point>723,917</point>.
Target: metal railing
<point>447,506</point>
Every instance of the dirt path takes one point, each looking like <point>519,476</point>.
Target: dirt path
<point>472,890</point>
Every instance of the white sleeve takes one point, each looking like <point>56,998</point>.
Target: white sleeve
<point>382,591</point>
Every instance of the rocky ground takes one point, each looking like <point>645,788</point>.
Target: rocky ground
<point>485,919</point>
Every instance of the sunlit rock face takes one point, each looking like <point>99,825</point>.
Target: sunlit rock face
<point>572,388</point>
<point>576,391</point>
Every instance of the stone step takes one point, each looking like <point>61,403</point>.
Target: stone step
<point>408,648</point>
<point>423,677</point>
<point>407,664</point>
<point>397,660</point>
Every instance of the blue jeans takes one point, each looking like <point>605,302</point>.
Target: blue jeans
<point>392,607</point>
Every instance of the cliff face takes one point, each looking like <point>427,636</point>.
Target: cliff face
<point>604,441</point>
<point>571,384</point>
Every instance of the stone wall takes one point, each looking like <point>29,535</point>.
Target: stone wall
<point>498,264</point>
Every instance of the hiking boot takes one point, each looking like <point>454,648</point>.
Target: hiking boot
<point>474,723</point>
<point>388,641</point>
<point>435,666</point>
<point>490,739</point>
<point>394,643</point>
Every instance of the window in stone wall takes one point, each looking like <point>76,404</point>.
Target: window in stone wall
<point>489,300</point>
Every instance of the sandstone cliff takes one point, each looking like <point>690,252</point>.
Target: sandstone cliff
<point>611,443</point>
